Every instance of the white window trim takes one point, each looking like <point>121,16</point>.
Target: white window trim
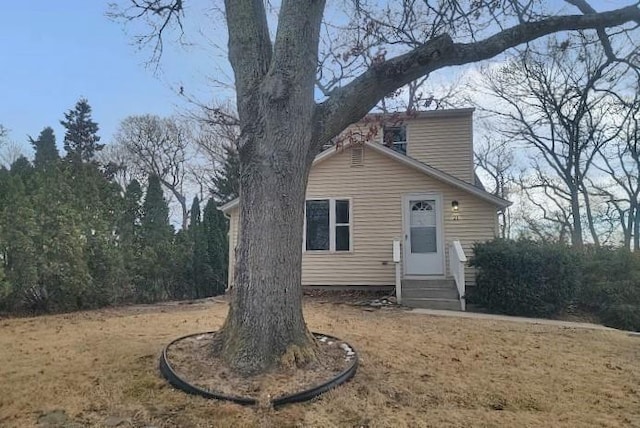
<point>332,226</point>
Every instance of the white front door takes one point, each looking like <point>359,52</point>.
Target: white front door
<point>423,242</point>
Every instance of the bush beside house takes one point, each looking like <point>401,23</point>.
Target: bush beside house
<point>530,278</point>
<point>524,277</point>
<point>610,287</point>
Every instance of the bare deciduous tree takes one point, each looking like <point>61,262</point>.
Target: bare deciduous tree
<point>117,161</point>
<point>159,146</point>
<point>10,151</point>
<point>621,164</point>
<point>217,140</point>
<point>558,101</point>
<point>495,158</point>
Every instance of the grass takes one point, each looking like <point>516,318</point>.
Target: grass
<point>416,370</point>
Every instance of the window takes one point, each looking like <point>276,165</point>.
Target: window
<point>328,225</point>
<point>395,137</point>
<point>342,225</point>
<point>317,225</point>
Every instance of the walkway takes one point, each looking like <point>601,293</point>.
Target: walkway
<point>493,317</point>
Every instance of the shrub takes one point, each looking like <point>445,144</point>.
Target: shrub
<point>620,315</point>
<point>524,277</point>
<point>609,276</point>
<point>610,287</point>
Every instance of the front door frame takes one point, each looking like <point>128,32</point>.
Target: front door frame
<point>439,232</point>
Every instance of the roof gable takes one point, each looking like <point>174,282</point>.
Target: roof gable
<point>409,163</point>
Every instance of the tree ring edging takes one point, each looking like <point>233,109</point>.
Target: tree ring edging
<point>305,395</point>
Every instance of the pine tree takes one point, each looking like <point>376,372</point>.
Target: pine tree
<point>132,212</point>
<point>156,275</point>
<point>46,152</point>
<point>21,167</point>
<point>61,239</point>
<point>21,258</point>
<point>226,182</point>
<point>155,214</point>
<point>15,243</point>
<point>200,274</point>
<point>81,139</point>
<point>215,227</point>
<point>99,204</point>
<point>194,220</point>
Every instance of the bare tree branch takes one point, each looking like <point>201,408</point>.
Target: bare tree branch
<point>160,14</point>
<point>161,147</point>
<point>349,103</point>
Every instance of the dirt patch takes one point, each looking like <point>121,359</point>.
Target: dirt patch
<point>327,295</point>
<point>193,360</point>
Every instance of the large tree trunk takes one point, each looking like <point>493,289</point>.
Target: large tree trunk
<point>265,325</point>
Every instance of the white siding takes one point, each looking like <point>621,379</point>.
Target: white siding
<point>443,142</point>
<point>376,190</point>
<point>233,241</point>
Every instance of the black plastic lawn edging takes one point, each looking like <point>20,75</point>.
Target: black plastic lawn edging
<point>305,395</point>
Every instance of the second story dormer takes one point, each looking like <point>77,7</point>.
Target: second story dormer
<point>442,139</point>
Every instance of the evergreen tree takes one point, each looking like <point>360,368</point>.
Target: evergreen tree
<point>215,228</point>
<point>16,243</point>
<point>200,274</point>
<point>157,271</point>
<point>5,177</point>
<point>46,152</point>
<point>183,286</point>
<point>60,239</point>
<point>132,212</point>
<point>226,182</point>
<point>194,219</point>
<point>20,255</point>
<point>21,167</point>
<point>99,204</point>
<point>129,234</point>
<point>5,286</point>
<point>155,214</point>
<point>81,139</point>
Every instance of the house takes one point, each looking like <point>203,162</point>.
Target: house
<point>398,208</point>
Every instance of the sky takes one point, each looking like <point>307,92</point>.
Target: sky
<point>52,53</point>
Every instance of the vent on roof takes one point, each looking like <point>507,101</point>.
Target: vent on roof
<point>357,155</point>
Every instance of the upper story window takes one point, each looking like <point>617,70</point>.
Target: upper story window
<point>327,225</point>
<point>395,137</point>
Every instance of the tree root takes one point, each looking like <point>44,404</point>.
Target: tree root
<point>299,356</point>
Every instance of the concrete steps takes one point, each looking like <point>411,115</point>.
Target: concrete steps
<point>435,292</point>
<point>430,294</point>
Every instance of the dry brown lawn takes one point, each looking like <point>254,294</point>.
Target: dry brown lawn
<point>415,370</point>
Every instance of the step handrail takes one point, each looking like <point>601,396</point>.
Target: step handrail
<point>397,250</point>
<point>457,262</point>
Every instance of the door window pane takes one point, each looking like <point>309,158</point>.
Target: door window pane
<point>423,240</point>
<point>317,225</point>
<point>423,213</point>
<point>423,226</point>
